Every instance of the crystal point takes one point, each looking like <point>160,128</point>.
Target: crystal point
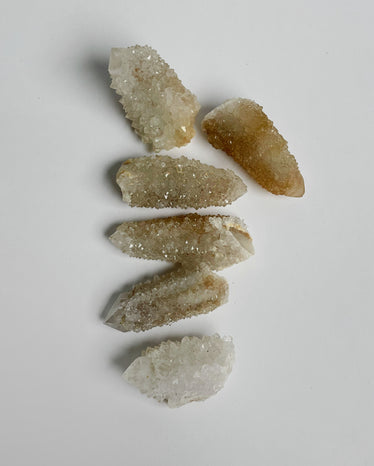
<point>241,129</point>
<point>161,109</point>
<point>179,372</point>
<point>215,240</point>
<point>162,181</point>
<point>168,298</point>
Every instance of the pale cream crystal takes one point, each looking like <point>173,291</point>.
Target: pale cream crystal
<point>241,129</point>
<point>168,298</point>
<point>161,109</point>
<point>162,181</point>
<point>179,372</point>
<point>216,240</point>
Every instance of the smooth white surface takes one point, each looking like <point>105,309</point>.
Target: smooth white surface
<point>300,311</point>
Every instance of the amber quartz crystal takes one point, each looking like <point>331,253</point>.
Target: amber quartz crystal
<point>240,128</point>
<point>215,240</point>
<point>163,181</point>
<point>167,298</point>
<point>161,109</point>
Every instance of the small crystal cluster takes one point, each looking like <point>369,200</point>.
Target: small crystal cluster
<point>179,372</point>
<point>161,109</point>
<point>241,129</point>
<point>167,298</point>
<point>215,240</point>
<point>162,181</point>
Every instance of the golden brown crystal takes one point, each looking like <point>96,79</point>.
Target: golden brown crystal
<point>241,129</point>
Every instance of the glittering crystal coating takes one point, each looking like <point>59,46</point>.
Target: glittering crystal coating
<point>162,181</point>
<point>161,109</point>
<point>168,298</point>
<point>179,372</point>
<point>215,240</point>
<point>241,129</point>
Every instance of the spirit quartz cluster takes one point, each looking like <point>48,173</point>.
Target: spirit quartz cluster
<point>241,129</point>
<point>168,298</point>
<point>162,181</point>
<point>162,112</point>
<point>217,241</point>
<point>179,372</point>
<point>161,109</point>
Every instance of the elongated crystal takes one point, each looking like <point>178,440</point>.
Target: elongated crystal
<point>162,181</point>
<point>161,109</point>
<point>179,372</point>
<point>168,298</point>
<point>215,240</point>
<point>241,129</point>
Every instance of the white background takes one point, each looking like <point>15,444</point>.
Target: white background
<point>300,311</point>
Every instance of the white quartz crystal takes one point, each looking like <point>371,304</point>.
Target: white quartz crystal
<point>215,240</point>
<point>161,109</point>
<point>179,372</point>
<point>162,181</point>
<point>168,298</point>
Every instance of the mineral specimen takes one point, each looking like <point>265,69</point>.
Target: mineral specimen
<point>167,298</point>
<point>161,109</point>
<point>216,240</point>
<point>162,181</point>
<point>192,369</point>
<point>241,129</point>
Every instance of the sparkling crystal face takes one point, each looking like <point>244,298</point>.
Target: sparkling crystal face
<point>168,298</point>
<point>161,109</point>
<point>163,181</point>
<point>217,241</point>
<point>241,129</point>
<point>192,369</point>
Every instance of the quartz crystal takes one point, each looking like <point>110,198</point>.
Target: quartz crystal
<point>167,298</point>
<point>216,240</point>
<point>241,129</point>
<point>179,372</point>
<point>162,181</point>
<point>161,109</point>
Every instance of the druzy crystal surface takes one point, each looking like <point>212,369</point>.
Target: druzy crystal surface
<point>179,372</point>
<point>168,298</point>
<point>162,181</point>
<point>215,240</point>
<point>241,129</point>
<point>161,109</point>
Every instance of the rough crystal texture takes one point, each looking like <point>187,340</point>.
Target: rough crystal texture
<point>161,109</point>
<point>216,240</point>
<point>162,181</point>
<point>192,369</point>
<point>168,298</point>
<point>241,129</point>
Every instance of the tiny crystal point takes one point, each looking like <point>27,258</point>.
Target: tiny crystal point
<point>162,181</point>
<point>179,372</point>
<point>241,129</point>
<point>161,109</point>
<point>215,240</point>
